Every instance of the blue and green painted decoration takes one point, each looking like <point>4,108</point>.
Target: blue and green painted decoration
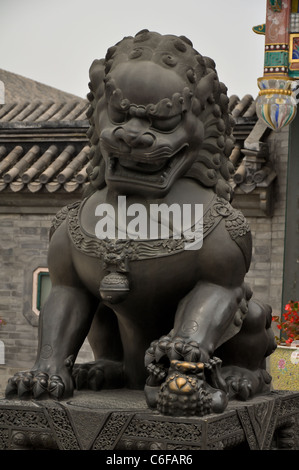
<point>276,5</point>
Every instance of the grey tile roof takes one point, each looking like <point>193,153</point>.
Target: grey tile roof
<point>29,101</point>
<point>19,88</point>
<point>34,162</point>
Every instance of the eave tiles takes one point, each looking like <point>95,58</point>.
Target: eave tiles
<point>52,169</point>
<point>43,111</point>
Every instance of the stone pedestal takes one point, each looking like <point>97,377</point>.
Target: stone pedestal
<point>113,420</point>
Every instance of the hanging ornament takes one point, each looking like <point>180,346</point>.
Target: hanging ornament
<point>276,104</point>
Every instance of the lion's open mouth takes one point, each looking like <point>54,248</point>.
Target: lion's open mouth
<point>150,171</point>
<point>143,167</point>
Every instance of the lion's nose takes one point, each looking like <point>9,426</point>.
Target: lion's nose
<point>135,134</point>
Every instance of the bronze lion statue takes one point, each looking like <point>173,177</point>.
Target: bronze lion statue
<point>180,323</point>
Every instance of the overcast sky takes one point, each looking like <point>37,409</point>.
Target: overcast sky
<point>55,41</point>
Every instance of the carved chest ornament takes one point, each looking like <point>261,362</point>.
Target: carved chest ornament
<point>116,255</point>
<point>120,252</point>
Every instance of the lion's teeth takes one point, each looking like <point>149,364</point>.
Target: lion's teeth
<point>112,163</point>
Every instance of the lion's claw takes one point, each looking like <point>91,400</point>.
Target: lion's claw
<point>12,386</point>
<point>40,385</point>
<point>240,387</point>
<point>56,386</point>
<point>96,379</point>
<point>24,388</point>
<point>81,378</point>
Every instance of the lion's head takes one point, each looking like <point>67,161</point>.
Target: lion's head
<point>158,112</point>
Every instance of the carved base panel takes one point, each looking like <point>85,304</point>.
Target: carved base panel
<point>120,420</point>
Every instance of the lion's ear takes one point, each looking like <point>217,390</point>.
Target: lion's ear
<point>205,88</point>
<point>97,75</point>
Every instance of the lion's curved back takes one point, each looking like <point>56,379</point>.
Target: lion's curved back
<point>212,167</point>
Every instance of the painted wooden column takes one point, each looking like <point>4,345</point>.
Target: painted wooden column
<point>281,39</point>
<point>294,40</point>
<point>276,104</point>
<point>277,38</point>
<point>291,248</point>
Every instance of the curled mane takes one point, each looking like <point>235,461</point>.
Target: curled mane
<point>212,167</point>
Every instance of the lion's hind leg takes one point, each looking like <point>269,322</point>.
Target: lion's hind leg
<point>244,356</point>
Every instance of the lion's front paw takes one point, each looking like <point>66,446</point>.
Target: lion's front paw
<point>175,348</point>
<point>38,384</point>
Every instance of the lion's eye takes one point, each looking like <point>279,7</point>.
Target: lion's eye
<point>168,124</point>
<point>116,115</point>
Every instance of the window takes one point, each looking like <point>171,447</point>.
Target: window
<point>294,20</point>
<point>41,289</point>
